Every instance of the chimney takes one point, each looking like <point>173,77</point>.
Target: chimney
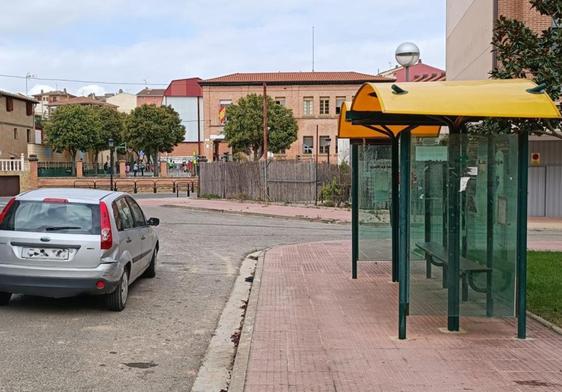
<point>120,91</point>
<point>64,89</point>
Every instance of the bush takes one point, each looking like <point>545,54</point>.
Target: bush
<point>333,194</point>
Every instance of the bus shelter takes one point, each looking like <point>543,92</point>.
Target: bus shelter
<point>459,203</point>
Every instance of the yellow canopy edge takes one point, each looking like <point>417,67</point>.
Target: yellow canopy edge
<point>475,98</point>
<point>346,130</point>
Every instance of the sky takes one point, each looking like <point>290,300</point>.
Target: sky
<point>133,43</point>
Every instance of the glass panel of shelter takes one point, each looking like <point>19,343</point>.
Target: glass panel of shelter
<point>375,237</point>
<point>488,200</point>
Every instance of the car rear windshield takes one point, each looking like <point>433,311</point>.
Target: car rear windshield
<point>46,217</point>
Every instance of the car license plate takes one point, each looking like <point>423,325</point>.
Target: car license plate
<point>45,253</point>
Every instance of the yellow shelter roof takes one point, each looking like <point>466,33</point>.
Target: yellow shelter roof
<point>477,99</point>
<point>347,130</point>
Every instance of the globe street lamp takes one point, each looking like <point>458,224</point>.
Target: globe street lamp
<point>407,54</point>
<point>111,144</point>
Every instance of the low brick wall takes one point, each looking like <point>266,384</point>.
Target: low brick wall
<point>129,184</point>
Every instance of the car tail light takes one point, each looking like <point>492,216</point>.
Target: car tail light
<point>54,200</point>
<point>6,209</point>
<point>105,224</point>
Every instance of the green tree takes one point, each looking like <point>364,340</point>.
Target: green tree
<point>153,129</point>
<point>71,128</point>
<point>108,123</point>
<point>244,129</point>
<point>523,53</point>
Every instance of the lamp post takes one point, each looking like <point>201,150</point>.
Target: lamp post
<point>407,54</point>
<point>111,144</point>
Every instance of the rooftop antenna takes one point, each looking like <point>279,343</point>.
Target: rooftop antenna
<point>312,48</point>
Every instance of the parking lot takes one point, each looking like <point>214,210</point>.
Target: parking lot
<point>157,343</point>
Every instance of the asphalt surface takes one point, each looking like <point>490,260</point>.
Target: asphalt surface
<point>158,342</point>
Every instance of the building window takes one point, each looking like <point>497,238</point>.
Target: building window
<point>280,101</point>
<point>9,104</point>
<point>15,133</point>
<point>339,102</point>
<point>324,144</point>
<point>324,105</point>
<point>28,108</point>
<point>29,136</point>
<point>307,144</point>
<point>223,104</point>
<point>308,107</point>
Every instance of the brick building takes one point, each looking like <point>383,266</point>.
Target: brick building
<point>16,124</point>
<point>314,98</point>
<point>185,97</point>
<point>469,30</point>
<point>47,98</point>
<point>419,72</point>
<point>150,96</point>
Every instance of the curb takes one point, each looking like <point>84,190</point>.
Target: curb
<point>214,372</point>
<point>544,322</point>
<point>294,217</point>
<point>238,376</point>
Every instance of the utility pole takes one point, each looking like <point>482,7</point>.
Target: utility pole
<point>316,170</point>
<point>265,121</point>
<point>198,129</point>
<point>265,140</point>
<point>312,48</point>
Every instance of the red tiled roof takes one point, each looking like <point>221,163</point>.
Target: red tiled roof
<point>81,101</point>
<point>184,88</point>
<point>18,96</point>
<point>432,77</point>
<point>296,77</point>
<point>151,92</point>
<point>419,72</point>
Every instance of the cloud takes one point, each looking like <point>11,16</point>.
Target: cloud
<point>181,38</point>
<point>89,89</point>
<point>39,88</point>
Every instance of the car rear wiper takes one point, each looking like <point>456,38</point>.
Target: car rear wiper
<point>56,228</point>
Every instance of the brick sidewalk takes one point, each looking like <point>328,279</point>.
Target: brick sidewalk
<point>286,211</point>
<point>316,329</point>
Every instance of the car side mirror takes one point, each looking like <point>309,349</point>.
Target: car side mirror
<point>153,222</point>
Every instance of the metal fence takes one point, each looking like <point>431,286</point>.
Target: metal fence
<point>281,181</point>
<point>55,169</point>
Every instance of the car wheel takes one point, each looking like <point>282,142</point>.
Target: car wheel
<point>150,272</point>
<point>117,300</point>
<point>5,298</point>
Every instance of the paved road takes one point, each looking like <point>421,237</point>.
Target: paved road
<point>158,342</point>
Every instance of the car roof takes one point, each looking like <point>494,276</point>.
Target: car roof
<point>73,195</point>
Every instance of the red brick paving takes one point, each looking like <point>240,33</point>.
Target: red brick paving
<point>317,330</point>
<point>302,211</point>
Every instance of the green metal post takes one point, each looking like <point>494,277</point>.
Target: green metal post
<point>522,187</point>
<point>445,211</point>
<point>464,199</point>
<point>427,208</point>
<point>404,243</point>
<point>490,214</point>
<point>354,209</point>
<point>453,243</point>
<point>394,209</point>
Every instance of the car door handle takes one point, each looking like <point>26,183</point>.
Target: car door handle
<point>143,238</point>
<point>129,240</point>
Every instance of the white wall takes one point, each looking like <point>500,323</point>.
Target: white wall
<point>187,109</point>
<point>469,36</point>
<point>125,102</point>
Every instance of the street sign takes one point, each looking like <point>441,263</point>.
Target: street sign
<point>535,159</point>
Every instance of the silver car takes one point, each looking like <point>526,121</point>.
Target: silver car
<point>67,242</point>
